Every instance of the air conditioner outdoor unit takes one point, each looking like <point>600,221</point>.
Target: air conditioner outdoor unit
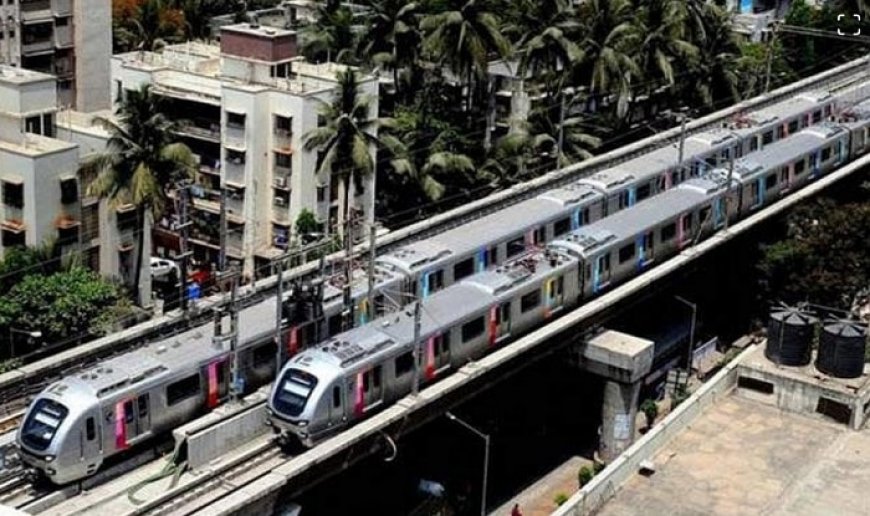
<point>281,182</point>
<point>280,201</point>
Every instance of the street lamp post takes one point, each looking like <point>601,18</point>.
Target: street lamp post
<point>12,331</point>
<point>694,308</point>
<point>485,438</point>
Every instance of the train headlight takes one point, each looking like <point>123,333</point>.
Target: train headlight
<point>49,458</point>
<point>302,424</point>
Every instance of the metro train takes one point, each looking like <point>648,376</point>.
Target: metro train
<point>327,387</point>
<point>82,420</point>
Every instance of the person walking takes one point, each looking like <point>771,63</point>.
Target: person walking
<point>516,510</point>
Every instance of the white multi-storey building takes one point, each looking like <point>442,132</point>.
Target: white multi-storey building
<point>71,39</point>
<point>245,107</point>
<point>42,197</point>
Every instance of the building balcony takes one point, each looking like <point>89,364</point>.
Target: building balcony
<point>61,7</point>
<point>32,7</point>
<point>200,129</point>
<point>37,46</point>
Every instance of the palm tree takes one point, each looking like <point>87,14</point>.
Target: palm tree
<point>462,37</point>
<point>140,164</point>
<point>331,37</point>
<point>714,75</point>
<point>345,141</point>
<point>610,38</point>
<point>150,26</point>
<point>662,45</point>
<point>546,45</point>
<point>392,37</point>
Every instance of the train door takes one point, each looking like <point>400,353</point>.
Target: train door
<point>217,384</point>
<point>841,151</point>
<point>437,355</point>
<point>632,196</point>
<point>555,294</point>
<point>646,249</point>
<point>817,164</point>
<point>92,443</point>
<point>369,388</point>
<point>601,272</point>
<point>719,211</point>
<point>500,319</point>
<point>336,405</point>
<point>143,413</point>
<point>684,229</point>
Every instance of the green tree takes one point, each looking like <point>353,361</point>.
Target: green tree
<point>146,25</point>
<point>463,37</point>
<point>392,36</point>
<point>140,164</point>
<point>650,410</point>
<point>825,257</point>
<point>331,37</point>
<point>714,75</point>
<point>306,223</point>
<point>344,142</point>
<point>609,43</point>
<point>584,475</point>
<point>62,306</point>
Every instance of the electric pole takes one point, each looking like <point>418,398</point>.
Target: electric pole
<point>728,188</point>
<point>222,257</point>
<point>184,224</point>
<point>348,270</point>
<point>220,337</point>
<point>373,237</point>
<point>561,143</point>
<point>279,316</point>
<point>681,146</point>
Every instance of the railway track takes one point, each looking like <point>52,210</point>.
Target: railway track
<point>17,390</point>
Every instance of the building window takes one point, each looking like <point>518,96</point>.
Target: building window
<point>283,125</point>
<point>33,124</point>
<point>48,125</point>
<point>12,238</point>
<point>281,70</point>
<point>13,194</point>
<point>282,160</point>
<point>61,22</point>
<point>126,219</point>
<point>321,193</point>
<point>69,190</point>
<point>68,236</point>
<point>235,157</point>
<point>235,120</point>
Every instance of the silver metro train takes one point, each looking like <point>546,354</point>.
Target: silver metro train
<point>332,385</point>
<point>84,419</point>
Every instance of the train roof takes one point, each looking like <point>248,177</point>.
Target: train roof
<point>786,150</point>
<point>789,108</point>
<point>652,164</point>
<point>647,214</point>
<point>467,238</point>
<point>166,356</point>
<point>332,288</point>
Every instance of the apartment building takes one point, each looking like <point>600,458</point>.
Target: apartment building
<point>245,106</point>
<point>71,39</point>
<point>42,196</point>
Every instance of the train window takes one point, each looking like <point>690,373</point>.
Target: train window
<point>770,181</point>
<point>404,363</point>
<point>704,214</point>
<point>780,132</point>
<point>129,416</point>
<point>90,429</point>
<point>753,144</point>
<point>143,405</point>
<point>463,269</point>
<point>643,192</point>
<point>817,116</point>
<point>793,126</point>
<point>42,422</point>
<point>376,377</point>
<point>530,301</point>
<point>669,231</point>
<point>182,389</point>
<point>443,343</point>
<point>800,166</point>
<point>336,396</point>
<point>562,226</point>
<point>334,325</point>
<point>826,154</point>
<point>767,138</point>
<point>263,355</point>
<point>436,280</point>
<point>539,236</point>
<point>380,305</point>
<point>504,312</point>
<point>623,199</point>
<point>515,246</point>
<point>626,253</point>
<point>367,381</point>
<point>473,329</point>
<point>687,225</point>
<point>584,216</point>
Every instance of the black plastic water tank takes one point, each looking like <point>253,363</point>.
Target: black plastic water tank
<point>790,336</point>
<point>841,349</point>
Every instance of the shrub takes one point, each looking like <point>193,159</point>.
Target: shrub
<point>584,475</point>
<point>650,411</point>
<point>560,498</point>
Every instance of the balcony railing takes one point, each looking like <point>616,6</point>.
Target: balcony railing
<point>202,129</point>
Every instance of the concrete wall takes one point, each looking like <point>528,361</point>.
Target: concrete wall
<point>92,21</point>
<point>605,484</point>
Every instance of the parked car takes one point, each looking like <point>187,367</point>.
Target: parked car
<point>163,269</point>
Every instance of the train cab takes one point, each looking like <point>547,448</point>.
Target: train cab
<point>60,435</point>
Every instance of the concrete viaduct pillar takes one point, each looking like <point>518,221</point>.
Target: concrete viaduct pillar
<point>623,360</point>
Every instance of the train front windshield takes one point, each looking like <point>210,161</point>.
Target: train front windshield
<point>42,423</point>
<point>293,391</point>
